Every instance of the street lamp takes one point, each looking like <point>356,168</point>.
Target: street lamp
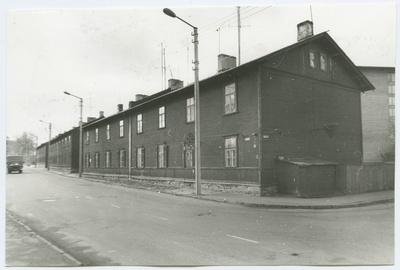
<point>80,133</point>
<point>170,13</point>
<point>48,145</point>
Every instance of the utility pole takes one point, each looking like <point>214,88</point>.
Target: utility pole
<point>239,26</point>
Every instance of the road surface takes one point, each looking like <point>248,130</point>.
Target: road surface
<point>103,225</point>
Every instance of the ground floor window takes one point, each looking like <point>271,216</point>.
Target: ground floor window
<point>121,158</point>
<point>108,159</point>
<point>97,159</point>
<point>162,155</point>
<point>87,160</point>
<point>231,151</point>
<point>140,157</point>
<point>189,156</point>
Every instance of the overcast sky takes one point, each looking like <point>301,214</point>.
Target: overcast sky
<point>108,53</point>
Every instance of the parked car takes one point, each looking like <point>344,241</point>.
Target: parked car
<point>15,163</point>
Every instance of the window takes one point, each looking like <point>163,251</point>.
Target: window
<point>322,60</point>
<point>161,117</point>
<point>162,155</point>
<point>230,99</point>
<point>121,128</point>
<point>87,160</point>
<point>140,157</point>
<point>189,156</point>
<point>140,123</point>
<point>97,135</point>
<point>108,133</point>
<point>392,111</point>
<point>97,160</point>
<point>230,152</point>
<point>121,158</point>
<point>391,89</point>
<point>312,59</point>
<point>391,101</point>
<point>108,159</point>
<point>190,110</point>
<point>87,137</point>
<point>392,77</point>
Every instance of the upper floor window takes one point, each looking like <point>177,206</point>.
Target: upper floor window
<point>323,61</point>
<point>97,135</point>
<point>108,133</point>
<point>162,155</point>
<point>230,151</point>
<point>121,128</point>
<point>312,59</point>
<point>139,123</point>
<point>190,110</point>
<point>230,98</point>
<point>161,117</point>
<point>87,137</point>
<point>121,158</point>
<point>392,77</point>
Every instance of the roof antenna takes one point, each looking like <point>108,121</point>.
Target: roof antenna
<point>311,13</point>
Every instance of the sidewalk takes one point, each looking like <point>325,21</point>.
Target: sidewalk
<point>272,202</point>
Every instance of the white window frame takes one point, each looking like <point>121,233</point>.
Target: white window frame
<point>108,159</point>
<point>108,135</point>
<point>162,156</point>
<point>121,158</point>
<point>161,117</point>
<point>312,59</point>
<point>231,151</point>
<point>139,120</point>
<point>97,135</point>
<point>97,160</point>
<point>230,98</point>
<point>121,128</point>
<point>87,137</point>
<point>140,157</point>
<point>323,60</point>
<point>190,110</point>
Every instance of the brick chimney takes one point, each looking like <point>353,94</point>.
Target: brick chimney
<point>131,104</point>
<point>226,62</point>
<point>175,84</point>
<point>305,30</point>
<point>120,107</point>
<point>139,97</point>
<point>101,114</point>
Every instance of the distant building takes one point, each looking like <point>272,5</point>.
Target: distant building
<point>378,114</point>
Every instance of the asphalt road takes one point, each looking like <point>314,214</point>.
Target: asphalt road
<point>105,225</point>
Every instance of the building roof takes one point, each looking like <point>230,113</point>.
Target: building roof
<point>363,82</point>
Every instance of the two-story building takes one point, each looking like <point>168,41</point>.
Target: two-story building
<point>302,101</point>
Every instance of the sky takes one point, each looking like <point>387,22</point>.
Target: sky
<point>107,53</point>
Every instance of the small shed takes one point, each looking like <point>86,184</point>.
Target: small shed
<point>306,177</point>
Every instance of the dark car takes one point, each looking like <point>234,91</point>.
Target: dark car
<point>15,163</point>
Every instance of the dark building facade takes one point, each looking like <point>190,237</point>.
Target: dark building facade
<point>302,101</point>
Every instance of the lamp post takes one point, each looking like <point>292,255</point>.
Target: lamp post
<point>48,145</point>
<point>80,132</point>
<point>170,13</point>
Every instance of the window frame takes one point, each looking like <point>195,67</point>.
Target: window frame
<point>312,59</point>
<point>121,128</point>
<point>139,123</point>
<point>140,162</point>
<point>97,159</point>
<point>108,132</point>
<point>87,160</point>
<point>162,156</point>
<point>324,67</point>
<point>230,94</point>
<point>96,137</point>
<point>230,152</point>
<point>161,117</point>
<point>107,161</point>
<point>190,110</point>
<point>87,137</point>
<point>121,158</point>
